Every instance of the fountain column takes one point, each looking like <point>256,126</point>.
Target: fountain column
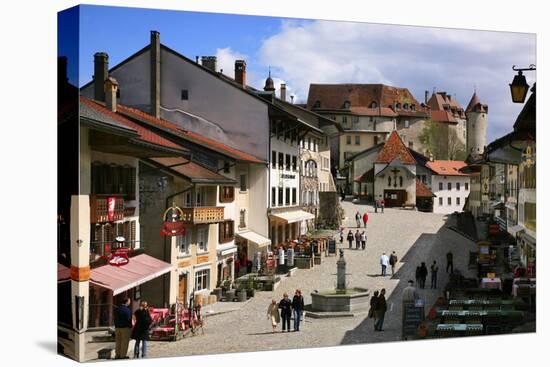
<point>341,273</point>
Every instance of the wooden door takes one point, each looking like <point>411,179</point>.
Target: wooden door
<point>394,198</point>
<point>182,293</point>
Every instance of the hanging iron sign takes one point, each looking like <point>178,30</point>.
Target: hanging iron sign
<point>173,222</point>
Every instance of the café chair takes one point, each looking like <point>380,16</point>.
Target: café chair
<point>446,333</point>
<point>472,320</point>
<point>473,331</point>
<point>452,320</point>
<point>456,308</point>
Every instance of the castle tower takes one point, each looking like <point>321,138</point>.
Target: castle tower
<point>476,128</point>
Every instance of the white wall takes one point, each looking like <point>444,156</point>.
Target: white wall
<point>258,199</point>
<point>453,193</point>
<point>275,173</point>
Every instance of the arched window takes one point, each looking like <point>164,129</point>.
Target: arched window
<point>347,105</point>
<point>406,106</point>
<point>400,181</point>
<point>317,104</point>
<point>373,104</point>
<point>311,168</point>
<point>389,181</point>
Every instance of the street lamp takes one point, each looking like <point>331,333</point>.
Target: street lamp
<point>519,86</point>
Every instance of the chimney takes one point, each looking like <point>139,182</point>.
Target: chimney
<point>292,99</point>
<point>283,92</point>
<point>240,72</point>
<point>62,71</point>
<point>426,93</point>
<point>101,73</point>
<point>155,73</point>
<point>209,62</point>
<point>111,87</point>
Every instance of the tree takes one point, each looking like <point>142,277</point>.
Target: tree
<point>430,137</point>
<point>457,150</point>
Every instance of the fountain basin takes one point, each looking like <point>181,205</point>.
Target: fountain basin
<point>350,299</point>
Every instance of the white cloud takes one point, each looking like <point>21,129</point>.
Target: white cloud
<point>226,60</point>
<point>418,58</point>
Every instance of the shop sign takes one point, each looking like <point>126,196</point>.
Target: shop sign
<point>111,201</point>
<point>528,157</point>
<point>119,257</point>
<point>184,264</point>
<point>173,224</point>
<point>202,259</point>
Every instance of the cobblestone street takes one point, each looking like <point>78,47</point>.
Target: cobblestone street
<point>415,236</point>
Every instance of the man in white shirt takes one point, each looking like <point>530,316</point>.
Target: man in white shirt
<point>384,261</point>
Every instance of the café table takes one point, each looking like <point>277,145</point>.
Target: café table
<point>491,283</point>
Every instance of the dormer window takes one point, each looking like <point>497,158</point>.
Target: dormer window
<point>317,104</point>
<point>406,106</point>
<point>413,107</point>
<point>398,106</point>
<point>373,104</point>
<point>347,105</point>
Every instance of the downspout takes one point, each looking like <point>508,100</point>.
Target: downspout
<point>166,206</point>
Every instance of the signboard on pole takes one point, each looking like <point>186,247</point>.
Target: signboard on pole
<point>413,315</point>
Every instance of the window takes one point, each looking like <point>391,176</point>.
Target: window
<point>449,186</point>
<point>410,144</point>
<point>406,107</point>
<point>287,196</point>
<point>457,201</point>
<point>348,139</point>
<point>293,195</point>
<point>243,182</point>
<point>407,124</point>
<point>449,201</point>
<point>227,194</point>
<point>114,179</point>
<point>355,119</point>
<point>373,104</point>
<point>389,181</point>
<point>183,243</point>
<point>280,198</point>
<point>317,104</point>
<point>309,146</point>
<point>400,181</point>
<point>242,218</point>
<point>376,140</point>
<point>413,107</point>
<point>294,163</point>
<point>202,279</point>
<point>273,159</point>
<point>188,199</point>
<point>316,145</point>
<point>184,94</point>
<point>466,186</point>
<point>281,160</point>
<point>347,105</point>
<point>440,201</point>
<point>226,167</point>
<point>199,196</point>
<point>357,139</point>
<point>441,186</point>
<point>458,185</point>
<point>202,239</point>
<point>287,161</point>
<point>226,231</point>
<point>273,196</point>
<point>345,120</point>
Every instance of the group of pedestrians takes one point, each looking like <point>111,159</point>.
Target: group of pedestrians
<point>422,273</point>
<point>361,218</point>
<point>386,261</point>
<point>359,238</point>
<point>287,309</point>
<point>124,330</point>
<point>378,308</point>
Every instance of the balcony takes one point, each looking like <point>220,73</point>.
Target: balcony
<point>203,214</point>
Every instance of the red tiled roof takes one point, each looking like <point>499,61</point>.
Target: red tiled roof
<point>378,111</point>
<point>442,116</point>
<point>188,169</point>
<point>447,168</point>
<point>191,136</point>
<point>393,149</point>
<point>423,190</point>
<point>333,97</point>
<point>475,105</point>
<point>144,133</point>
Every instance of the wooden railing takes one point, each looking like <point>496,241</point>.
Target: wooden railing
<point>204,214</point>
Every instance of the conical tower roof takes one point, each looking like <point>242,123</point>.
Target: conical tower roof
<point>473,103</point>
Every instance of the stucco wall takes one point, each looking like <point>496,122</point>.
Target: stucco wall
<point>453,193</point>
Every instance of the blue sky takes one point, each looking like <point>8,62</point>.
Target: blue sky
<point>301,52</point>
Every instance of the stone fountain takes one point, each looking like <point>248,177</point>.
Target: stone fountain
<point>342,298</point>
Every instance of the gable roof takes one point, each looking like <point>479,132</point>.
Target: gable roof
<point>188,135</point>
<point>95,111</point>
<point>447,168</point>
<point>423,190</point>
<point>360,97</point>
<point>395,149</point>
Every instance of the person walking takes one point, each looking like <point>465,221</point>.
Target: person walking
<point>273,314</point>
<point>384,262</point>
<point>434,269</point>
<point>341,235</point>
<point>298,307</point>
<point>286,311</point>
<point>123,328</point>
<point>350,238</point>
<point>381,308</point>
<point>382,204</point>
<point>141,329</point>
<point>393,261</point>
<point>365,219</point>
<point>358,219</point>
<point>417,275</point>
<point>372,309</point>
<point>423,274</point>
<point>409,293</point>
<point>364,240</point>
<point>357,240</point>
<point>376,206</point>
<point>450,261</point>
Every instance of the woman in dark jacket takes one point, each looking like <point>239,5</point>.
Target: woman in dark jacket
<point>372,309</point>
<point>298,306</point>
<point>286,311</point>
<point>423,274</point>
<point>381,308</point>
<point>350,238</point>
<point>141,329</point>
